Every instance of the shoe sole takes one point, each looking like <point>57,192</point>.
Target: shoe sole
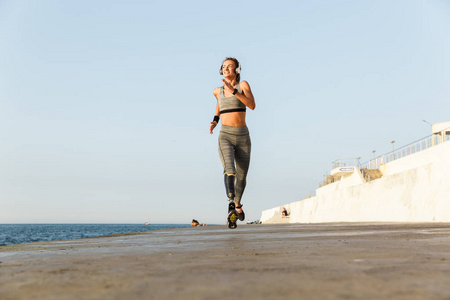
<point>231,220</point>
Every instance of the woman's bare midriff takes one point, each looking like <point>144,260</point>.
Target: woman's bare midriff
<point>234,119</point>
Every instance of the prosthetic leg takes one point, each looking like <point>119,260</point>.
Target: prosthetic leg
<point>232,216</point>
<point>229,180</point>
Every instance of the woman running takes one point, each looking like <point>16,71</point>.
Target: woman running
<point>233,98</point>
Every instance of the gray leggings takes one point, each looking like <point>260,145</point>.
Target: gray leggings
<point>234,150</point>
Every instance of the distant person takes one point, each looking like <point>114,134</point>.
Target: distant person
<point>284,212</point>
<point>196,223</point>
<point>233,98</point>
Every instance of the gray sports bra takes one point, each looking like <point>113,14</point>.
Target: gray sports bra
<point>230,104</point>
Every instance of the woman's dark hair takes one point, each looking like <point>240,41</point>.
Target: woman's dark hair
<point>236,62</point>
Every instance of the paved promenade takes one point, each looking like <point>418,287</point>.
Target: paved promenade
<point>289,261</point>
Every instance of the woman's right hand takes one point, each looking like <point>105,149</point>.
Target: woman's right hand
<point>212,126</point>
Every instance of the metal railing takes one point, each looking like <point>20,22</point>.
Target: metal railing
<point>414,147</point>
<point>346,162</point>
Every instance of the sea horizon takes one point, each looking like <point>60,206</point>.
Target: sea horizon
<point>24,233</point>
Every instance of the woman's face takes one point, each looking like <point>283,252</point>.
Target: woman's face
<point>228,68</point>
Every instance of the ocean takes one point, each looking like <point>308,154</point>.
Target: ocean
<point>11,234</point>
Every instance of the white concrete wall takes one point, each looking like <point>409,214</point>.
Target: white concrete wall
<point>415,188</point>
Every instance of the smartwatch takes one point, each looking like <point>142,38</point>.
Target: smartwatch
<point>235,91</point>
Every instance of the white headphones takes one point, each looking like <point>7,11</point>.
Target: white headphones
<point>238,69</point>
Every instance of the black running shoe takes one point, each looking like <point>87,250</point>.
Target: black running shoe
<point>241,216</point>
<point>231,220</point>
<point>232,216</point>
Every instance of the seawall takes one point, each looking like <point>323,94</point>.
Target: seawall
<point>415,188</point>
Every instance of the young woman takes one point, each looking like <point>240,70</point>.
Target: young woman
<point>233,98</point>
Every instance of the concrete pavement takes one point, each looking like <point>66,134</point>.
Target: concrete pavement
<point>287,261</point>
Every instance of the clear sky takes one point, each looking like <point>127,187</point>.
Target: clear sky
<point>105,105</point>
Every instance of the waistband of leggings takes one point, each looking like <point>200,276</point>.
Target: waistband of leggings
<point>243,130</point>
